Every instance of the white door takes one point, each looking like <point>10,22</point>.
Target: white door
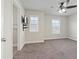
<point>7,29</point>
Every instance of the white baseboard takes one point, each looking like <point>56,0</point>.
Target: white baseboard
<point>42,41</point>
<point>55,38</point>
<point>29,42</point>
<point>20,48</point>
<point>73,39</point>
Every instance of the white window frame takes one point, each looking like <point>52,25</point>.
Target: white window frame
<point>36,25</point>
<point>55,23</point>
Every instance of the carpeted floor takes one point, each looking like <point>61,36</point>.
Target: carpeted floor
<point>51,49</point>
<point>14,50</point>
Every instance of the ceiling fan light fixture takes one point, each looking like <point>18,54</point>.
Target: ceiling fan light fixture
<point>62,11</point>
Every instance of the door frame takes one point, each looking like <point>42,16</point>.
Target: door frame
<point>15,3</point>
<point>7,23</point>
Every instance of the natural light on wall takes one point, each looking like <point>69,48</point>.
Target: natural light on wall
<point>34,24</point>
<point>55,26</point>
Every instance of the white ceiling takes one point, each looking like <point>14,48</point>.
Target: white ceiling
<point>45,5</point>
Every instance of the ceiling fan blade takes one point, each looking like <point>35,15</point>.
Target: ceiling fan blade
<point>68,1</point>
<point>73,6</point>
<point>61,4</point>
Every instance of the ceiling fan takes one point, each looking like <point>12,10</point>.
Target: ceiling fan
<point>64,5</point>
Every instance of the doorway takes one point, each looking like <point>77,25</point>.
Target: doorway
<point>15,29</point>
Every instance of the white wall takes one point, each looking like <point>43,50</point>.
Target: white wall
<point>22,38</point>
<point>48,28</point>
<point>32,37</point>
<point>45,31</point>
<point>72,29</point>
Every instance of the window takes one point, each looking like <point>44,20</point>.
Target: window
<point>56,26</point>
<point>34,24</point>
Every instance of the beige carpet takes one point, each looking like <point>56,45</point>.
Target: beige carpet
<point>14,50</point>
<point>52,49</point>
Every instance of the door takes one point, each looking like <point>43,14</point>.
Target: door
<point>6,29</point>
